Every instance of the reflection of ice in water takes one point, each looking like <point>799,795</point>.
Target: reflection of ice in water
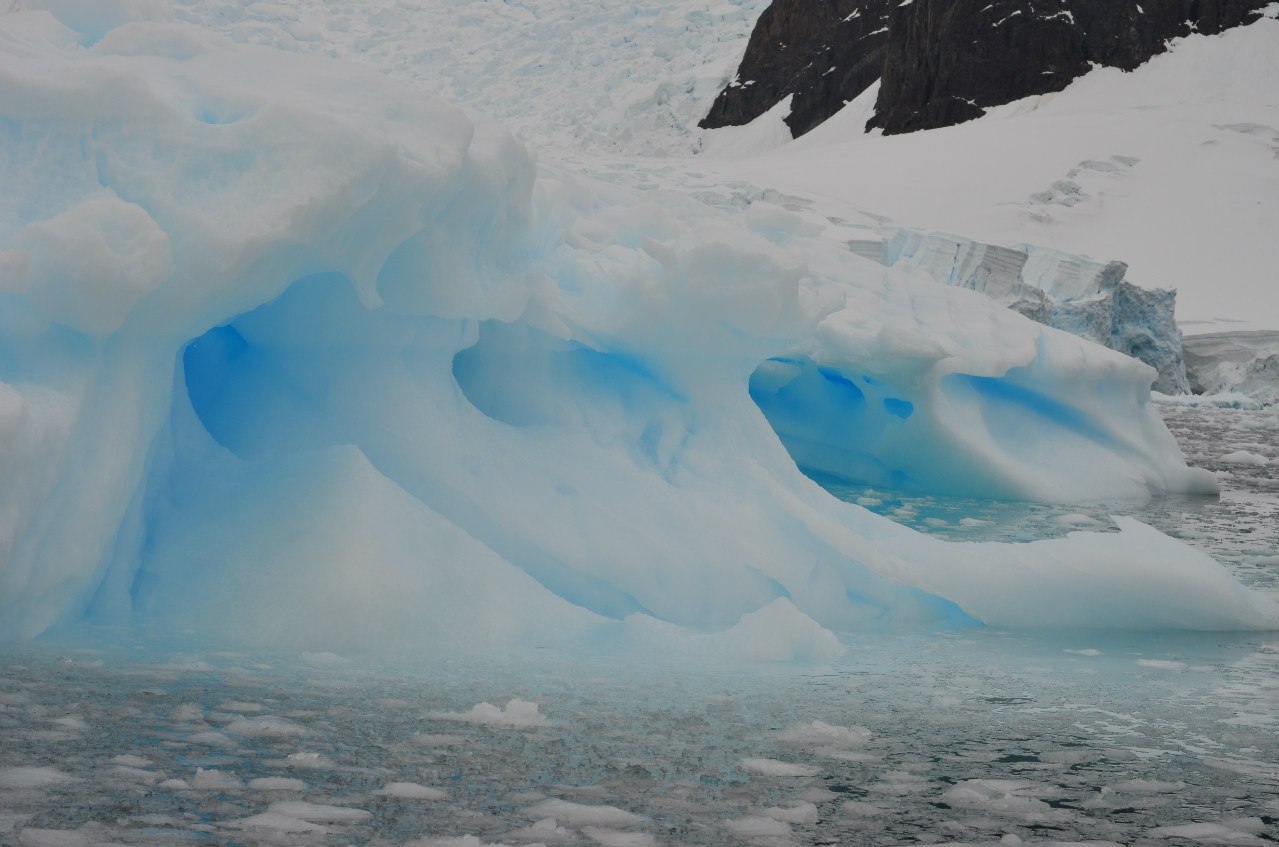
<point>968,736</point>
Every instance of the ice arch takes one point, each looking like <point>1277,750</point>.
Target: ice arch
<point>352,370</point>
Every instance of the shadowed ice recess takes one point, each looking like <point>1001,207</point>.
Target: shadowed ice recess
<point>290,355</point>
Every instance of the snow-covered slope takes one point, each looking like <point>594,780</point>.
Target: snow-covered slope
<point>1169,168</point>
<point>285,345</point>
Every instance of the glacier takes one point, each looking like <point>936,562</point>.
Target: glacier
<point>293,355</point>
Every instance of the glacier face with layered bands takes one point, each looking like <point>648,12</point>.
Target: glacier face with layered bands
<point>291,355</point>
<point>1074,293</point>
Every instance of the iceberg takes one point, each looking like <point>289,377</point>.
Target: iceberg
<point>292,355</point>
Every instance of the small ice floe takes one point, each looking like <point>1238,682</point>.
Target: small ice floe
<point>427,739</point>
<point>1163,665</point>
<point>1011,798</point>
<point>545,831</point>
<point>266,727</point>
<point>278,823</point>
<point>1146,786</point>
<point>1086,651</point>
<point>210,738</point>
<point>450,841</point>
<point>1211,833</point>
<point>213,779</point>
<point>802,813</point>
<point>317,813</point>
<point>32,777</point>
<point>1078,520</point>
<point>1245,457</point>
<point>188,713</point>
<point>325,659</point>
<point>136,775</point>
<point>516,714</point>
<point>411,791</point>
<point>860,809</point>
<point>821,734</point>
<point>75,723</point>
<point>306,761</point>
<point>581,814</point>
<point>175,785</point>
<point>972,522</point>
<point>241,707</point>
<point>277,783</point>
<point>758,826</point>
<point>774,767</point>
<point>36,837</point>
<point>618,838</point>
<point>129,760</point>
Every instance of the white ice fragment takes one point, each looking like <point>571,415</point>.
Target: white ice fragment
<point>129,760</point>
<point>1209,833</point>
<point>213,779</point>
<point>1245,457</point>
<point>175,785</point>
<point>411,791</point>
<point>36,837</point>
<point>758,826</point>
<point>241,707</point>
<point>517,714</point>
<point>210,738</point>
<point>545,831</point>
<point>317,813</point>
<point>581,814</point>
<point>307,760</point>
<point>803,813</point>
<point>277,783</point>
<point>266,727</point>
<point>1163,664</point>
<point>74,723</point>
<point>617,838</point>
<point>774,767</point>
<point>23,776</point>
<point>821,734</point>
<point>427,739</point>
<point>276,822</point>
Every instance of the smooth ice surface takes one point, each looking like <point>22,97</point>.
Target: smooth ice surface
<point>297,356</point>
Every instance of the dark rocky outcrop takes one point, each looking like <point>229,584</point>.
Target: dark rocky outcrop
<point>822,51</point>
<point>943,62</point>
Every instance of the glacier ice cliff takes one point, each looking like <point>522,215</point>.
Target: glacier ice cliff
<point>1073,293</point>
<point>291,355</point>
<point>1244,363</point>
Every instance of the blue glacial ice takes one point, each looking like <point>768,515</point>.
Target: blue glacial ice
<point>294,356</point>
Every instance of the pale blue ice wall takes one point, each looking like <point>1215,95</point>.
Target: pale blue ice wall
<point>290,355</point>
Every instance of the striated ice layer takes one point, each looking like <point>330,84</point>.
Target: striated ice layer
<point>293,356</point>
<point>1084,297</point>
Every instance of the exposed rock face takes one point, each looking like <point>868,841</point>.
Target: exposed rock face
<point>824,52</point>
<point>943,62</point>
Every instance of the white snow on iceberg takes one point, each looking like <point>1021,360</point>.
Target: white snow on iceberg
<point>291,355</point>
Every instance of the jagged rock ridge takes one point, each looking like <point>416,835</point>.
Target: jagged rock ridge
<point>943,62</point>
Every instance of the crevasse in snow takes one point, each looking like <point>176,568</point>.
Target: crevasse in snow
<point>292,355</point>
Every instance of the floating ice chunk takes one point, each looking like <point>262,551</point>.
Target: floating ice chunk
<point>802,813</point>
<point>758,826</point>
<point>215,780</point>
<point>317,813</point>
<point>618,838</point>
<point>1163,664</point>
<point>450,841</point>
<point>277,822</point>
<point>516,713</point>
<point>131,761</point>
<point>428,739</point>
<point>1147,786</point>
<point>774,767</point>
<point>277,783</point>
<point>266,727</point>
<point>581,814</point>
<point>821,734</point>
<point>36,837</point>
<point>241,707</point>
<point>1004,797</point>
<point>307,760</point>
<point>411,791</point>
<point>211,738</point>
<point>134,774</point>
<point>545,831</point>
<point>1086,651</point>
<point>175,785</point>
<point>1209,833</point>
<point>1245,457</point>
<point>32,777</point>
